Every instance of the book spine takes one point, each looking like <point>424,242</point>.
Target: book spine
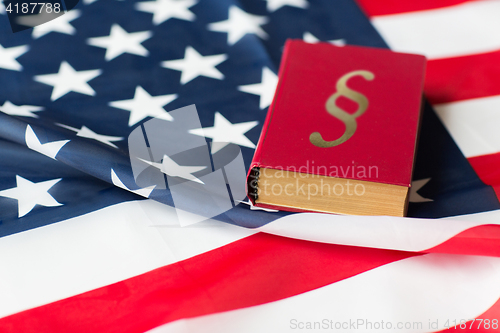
<point>253,172</point>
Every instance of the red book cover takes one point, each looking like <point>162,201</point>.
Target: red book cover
<point>349,112</point>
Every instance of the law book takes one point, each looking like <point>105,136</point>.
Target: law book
<point>341,133</point>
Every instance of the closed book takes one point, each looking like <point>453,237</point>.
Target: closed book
<point>341,133</point>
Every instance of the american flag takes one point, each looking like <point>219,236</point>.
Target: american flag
<point>83,249</point>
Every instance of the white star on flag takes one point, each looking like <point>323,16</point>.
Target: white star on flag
<point>164,10</point>
<point>143,192</point>
<point>273,5</point>
<point>194,65</point>
<point>415,186</point>
<point>169,167</point>
<point>20,110</point>
<point>50,149</point>
<point>86,132</point>
<point>29,194</point>
<point>9,55</point>
<point>224,132</point>
<point>265,89</point>
<point>67,80</point>
<point>238,24</point>
<point>144,105</point>
<point>44,23</point>
<point>119,42</point>
<point>310,38</point>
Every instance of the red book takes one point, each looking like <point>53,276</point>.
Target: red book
<point>341,117</point>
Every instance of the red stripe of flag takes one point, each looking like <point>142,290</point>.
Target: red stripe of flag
<point>460,78</point>
<point>388,7</point>
<point>482,240</point>
<point>242,274</point>
<point>486,167</point>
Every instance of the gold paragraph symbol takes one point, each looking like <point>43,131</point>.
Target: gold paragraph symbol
<point>348,119</point>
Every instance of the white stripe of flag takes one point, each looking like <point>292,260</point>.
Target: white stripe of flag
<point>115,243</point>
<point>404,291</point>
<point>473,124</point>
<point>463,29</point>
